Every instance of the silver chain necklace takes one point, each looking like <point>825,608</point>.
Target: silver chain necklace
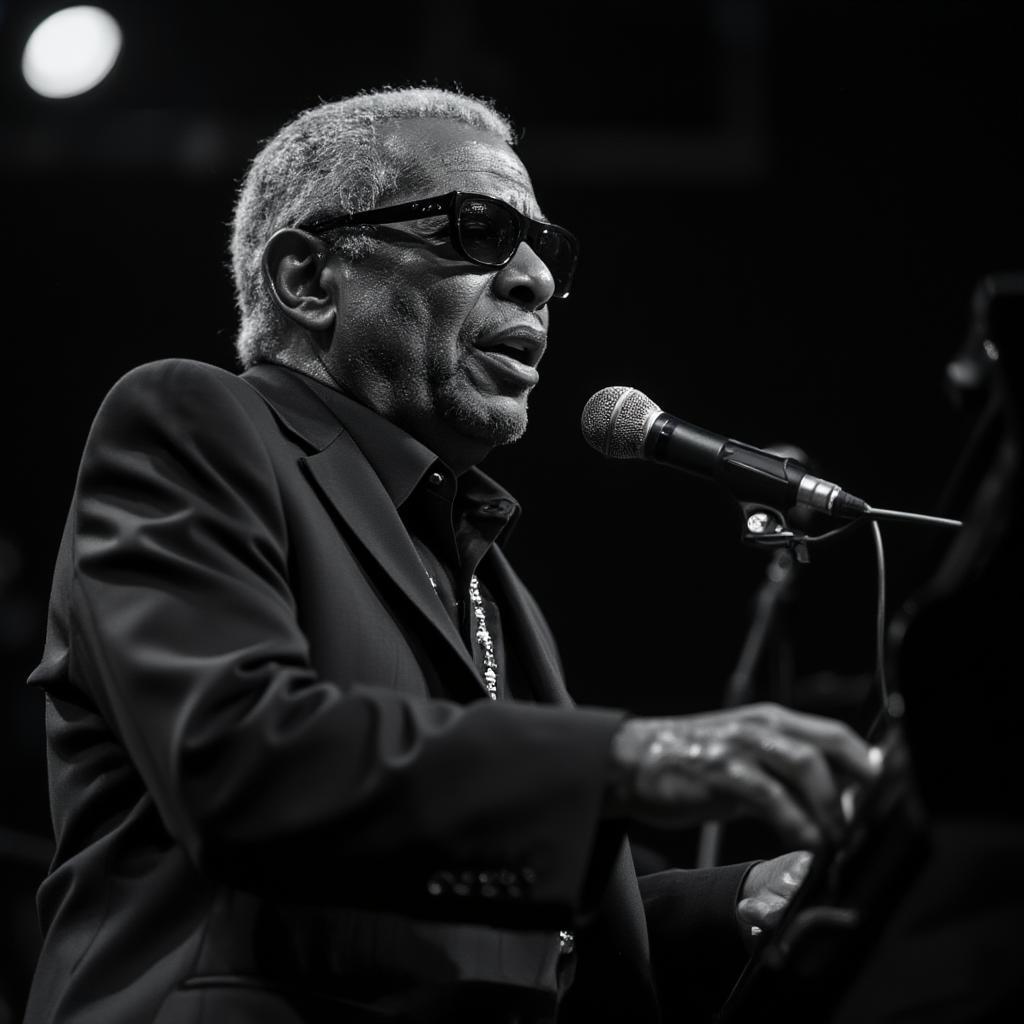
<point>483,638</point>
<point>483,634</point>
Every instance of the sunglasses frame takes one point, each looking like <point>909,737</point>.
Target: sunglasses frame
<point>450,204</point>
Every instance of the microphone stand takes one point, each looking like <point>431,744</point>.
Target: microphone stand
<point>771,595</point>
<point>767,527</point>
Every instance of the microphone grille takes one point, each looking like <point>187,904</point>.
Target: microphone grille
<point>614,421</point>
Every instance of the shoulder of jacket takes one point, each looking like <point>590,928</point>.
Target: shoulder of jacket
<point>180,397</point>
<point>170,383</point>
<point>164,372</point>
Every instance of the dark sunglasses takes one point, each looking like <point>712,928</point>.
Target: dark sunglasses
<point>484,231</point>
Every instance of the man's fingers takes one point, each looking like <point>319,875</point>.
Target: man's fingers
<point>766,797</point>
<point>803,766</point>
<point>794,870</point>
<point>761,912</point>
<point>780,876</point>
<point>769,887</point>
<point>763,759</point>
<point>835,738</point>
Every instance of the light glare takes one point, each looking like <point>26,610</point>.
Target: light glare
<point>71,52</point>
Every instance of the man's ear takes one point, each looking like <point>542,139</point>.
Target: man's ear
<point>292,262</point>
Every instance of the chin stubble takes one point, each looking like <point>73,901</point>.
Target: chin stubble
<point>460,405</point>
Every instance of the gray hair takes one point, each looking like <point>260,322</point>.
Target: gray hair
<point>332,159</point>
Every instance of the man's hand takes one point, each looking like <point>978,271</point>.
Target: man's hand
<point>768,888</point>
<point>764,760</point>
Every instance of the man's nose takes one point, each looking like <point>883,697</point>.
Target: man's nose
<point>525,279</point>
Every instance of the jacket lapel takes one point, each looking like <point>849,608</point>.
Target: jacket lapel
<point>539,655</point>
<point>346,481</point>
<point>351,487</point>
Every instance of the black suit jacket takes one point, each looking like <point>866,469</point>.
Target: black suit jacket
<point>279,791</point>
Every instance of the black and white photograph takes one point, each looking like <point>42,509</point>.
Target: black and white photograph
<point>509,512</point>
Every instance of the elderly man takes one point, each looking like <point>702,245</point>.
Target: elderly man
<point>312,756</point>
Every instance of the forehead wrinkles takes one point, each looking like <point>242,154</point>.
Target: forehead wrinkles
<point>438,157</point>
<point>474,157</point>
<point>507,177</point>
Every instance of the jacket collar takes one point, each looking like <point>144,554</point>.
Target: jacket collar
<point>398,458</point>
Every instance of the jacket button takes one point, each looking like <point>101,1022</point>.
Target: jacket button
<point>439,883</point>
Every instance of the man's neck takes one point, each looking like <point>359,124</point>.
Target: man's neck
<point>455,449</point>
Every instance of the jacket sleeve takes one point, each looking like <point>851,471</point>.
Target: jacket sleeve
<point>183,631</point>
<point>697,952</point>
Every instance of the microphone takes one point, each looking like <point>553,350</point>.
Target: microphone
<point>623,423</point>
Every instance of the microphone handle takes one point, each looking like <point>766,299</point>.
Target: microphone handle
<point>749,473</point>
<point>674,442</point>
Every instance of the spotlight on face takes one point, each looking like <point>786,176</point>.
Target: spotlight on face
<point>71,52</point>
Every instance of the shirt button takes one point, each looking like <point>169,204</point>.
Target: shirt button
<point>436,479</point>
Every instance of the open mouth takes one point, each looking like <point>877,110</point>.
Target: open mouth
<point>522,346</point>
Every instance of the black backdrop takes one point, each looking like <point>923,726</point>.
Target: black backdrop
<point>783,209</point>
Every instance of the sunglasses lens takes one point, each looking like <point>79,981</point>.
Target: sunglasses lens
<point>489,232</point>
<point>558,251</point>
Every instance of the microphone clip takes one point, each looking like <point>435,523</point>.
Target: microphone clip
<point>767,527</point>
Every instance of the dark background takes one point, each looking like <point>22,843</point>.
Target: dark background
<point>783,209</point>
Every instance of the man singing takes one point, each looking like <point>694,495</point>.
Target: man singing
<point>312,757</point>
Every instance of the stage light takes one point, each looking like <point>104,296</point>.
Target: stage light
<point>71,52</point>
